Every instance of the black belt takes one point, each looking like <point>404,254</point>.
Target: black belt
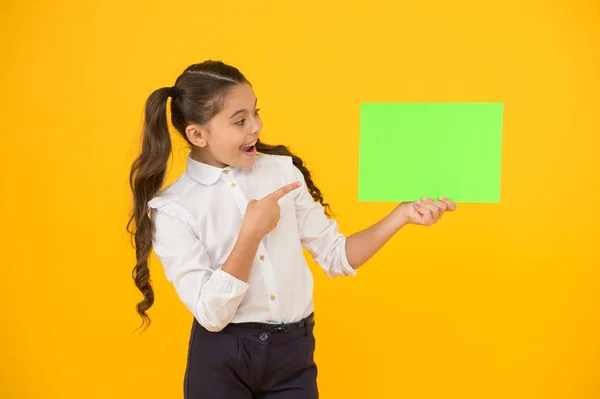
<point>282,327</point>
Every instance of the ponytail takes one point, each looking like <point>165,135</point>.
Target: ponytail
<point>299,163</point>
<point>146,179</point>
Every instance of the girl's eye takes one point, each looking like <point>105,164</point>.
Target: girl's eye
<point>241,121</point>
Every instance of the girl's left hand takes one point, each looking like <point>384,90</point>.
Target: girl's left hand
<point>425,212</point>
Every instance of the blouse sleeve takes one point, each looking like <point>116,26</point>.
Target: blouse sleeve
<point>212,296</point>
<point>318,233</point>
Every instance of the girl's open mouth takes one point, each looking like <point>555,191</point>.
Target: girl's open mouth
<point>249,149</point>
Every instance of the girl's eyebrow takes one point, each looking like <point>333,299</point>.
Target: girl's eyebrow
<point>242,109</point>
<point>237,112</point>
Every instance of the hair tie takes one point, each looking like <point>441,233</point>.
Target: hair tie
<point>173,92</point>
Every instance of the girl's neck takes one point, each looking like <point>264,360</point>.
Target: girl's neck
<point>204,156</point>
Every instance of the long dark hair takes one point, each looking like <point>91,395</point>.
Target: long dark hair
<point>200,90</point>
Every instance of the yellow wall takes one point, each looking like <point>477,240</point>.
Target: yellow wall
<point>498,301</point>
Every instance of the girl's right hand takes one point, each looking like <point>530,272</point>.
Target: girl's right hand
<point>263,215</point>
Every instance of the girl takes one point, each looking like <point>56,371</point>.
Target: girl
<point>229,233</point>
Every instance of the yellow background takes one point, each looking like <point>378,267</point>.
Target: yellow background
<point>498,301</point>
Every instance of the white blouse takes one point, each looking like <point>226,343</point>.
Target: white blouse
<point>197,219</point>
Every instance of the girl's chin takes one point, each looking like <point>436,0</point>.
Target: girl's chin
<point>245,161</point>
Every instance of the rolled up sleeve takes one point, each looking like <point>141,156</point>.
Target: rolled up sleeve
<point>319,234</point>
<point>212,295</point>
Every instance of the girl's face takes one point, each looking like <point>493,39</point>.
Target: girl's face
<point>229,138</point>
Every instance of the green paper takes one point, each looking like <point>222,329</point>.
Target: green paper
<point>412,150</point>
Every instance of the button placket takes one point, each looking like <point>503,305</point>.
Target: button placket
<point>229,177</point>
<point>270,283</point>
<point>262,256</point>
<point>238,196</point>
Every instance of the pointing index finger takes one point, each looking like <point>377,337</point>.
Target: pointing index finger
<point>280,192</point>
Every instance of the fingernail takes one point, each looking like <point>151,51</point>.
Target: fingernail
<point>442,198</point>
<point>419,202</point>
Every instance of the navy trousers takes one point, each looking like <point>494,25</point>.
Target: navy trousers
<point>249,362</point>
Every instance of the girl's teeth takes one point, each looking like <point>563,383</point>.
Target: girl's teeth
<point>247,147</point>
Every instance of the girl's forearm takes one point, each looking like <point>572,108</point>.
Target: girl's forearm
<point>361,246</point>
<point>239,262</point>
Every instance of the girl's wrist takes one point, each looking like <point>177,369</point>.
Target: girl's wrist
<point>248,235</point>
<point>400,215</point>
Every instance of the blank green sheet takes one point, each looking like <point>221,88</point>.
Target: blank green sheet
<point>412,150</point>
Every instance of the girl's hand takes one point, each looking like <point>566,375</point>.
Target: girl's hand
<point>263,215</point>
<point>425,212</point>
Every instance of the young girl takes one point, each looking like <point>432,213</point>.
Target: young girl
<point>229,234</point>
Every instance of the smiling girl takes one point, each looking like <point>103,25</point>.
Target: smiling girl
<point>229,233</point>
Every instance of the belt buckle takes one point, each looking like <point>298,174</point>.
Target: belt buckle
<point>279,328</point>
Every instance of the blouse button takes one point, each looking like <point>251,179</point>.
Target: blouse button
<point>232,185</point>
<point>272,297</point>
<point>262,257</point>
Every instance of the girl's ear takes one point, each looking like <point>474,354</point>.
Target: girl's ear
<point>197,135</point>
